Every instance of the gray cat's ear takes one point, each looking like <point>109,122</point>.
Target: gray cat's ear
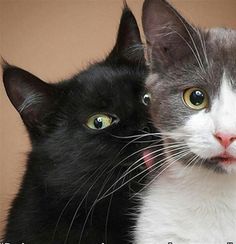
<point>169,37</point>
<point>31,96</point>
<point>128,42</point>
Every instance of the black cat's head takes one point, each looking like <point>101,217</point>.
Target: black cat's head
<point>89,125</point>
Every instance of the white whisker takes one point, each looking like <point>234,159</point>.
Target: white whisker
<point>168,166</point>
<point>107,192</point>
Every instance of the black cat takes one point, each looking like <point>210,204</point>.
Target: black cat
<point>86,158</point>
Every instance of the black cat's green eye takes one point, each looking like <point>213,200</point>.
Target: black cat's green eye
<point>100,121</point>
<point>146,99</point>
<point>195,98</point>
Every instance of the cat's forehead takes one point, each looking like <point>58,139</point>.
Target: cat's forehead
<point>106,89</point>
<point>211,60</point>
<point>222,55</point>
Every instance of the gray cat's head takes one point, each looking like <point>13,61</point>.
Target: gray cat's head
<point>193,87</point>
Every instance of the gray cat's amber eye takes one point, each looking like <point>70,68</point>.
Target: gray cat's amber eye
<point>100,121</point>
<point>195,98</point>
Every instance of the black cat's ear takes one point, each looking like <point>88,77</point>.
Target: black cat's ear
<point>31,96</point>
<point>169,37</point>
<point>128,42</point>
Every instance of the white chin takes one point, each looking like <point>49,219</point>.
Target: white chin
<point>229,168</point>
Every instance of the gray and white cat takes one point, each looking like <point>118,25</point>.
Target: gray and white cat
<point>192,200</point>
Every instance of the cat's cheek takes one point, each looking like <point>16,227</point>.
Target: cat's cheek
<point>154,88</point>
<point>204,151</point>
<point>198,134</point>
<point>232,149</point>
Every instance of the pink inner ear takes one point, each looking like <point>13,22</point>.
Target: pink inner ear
<point>166,31</point>
<point>32,97</point>
<point>148,158</point>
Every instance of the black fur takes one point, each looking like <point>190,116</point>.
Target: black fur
<point>71,166</point>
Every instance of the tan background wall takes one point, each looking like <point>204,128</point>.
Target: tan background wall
<point>54,39</point>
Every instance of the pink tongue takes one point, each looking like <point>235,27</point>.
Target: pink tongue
<point>148,158</point>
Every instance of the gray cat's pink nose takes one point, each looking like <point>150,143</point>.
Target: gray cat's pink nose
<point>225,139</point>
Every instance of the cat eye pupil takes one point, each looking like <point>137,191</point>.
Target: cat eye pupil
<point>98,123</point>
<point>197,98</point>
<point>101,121</point>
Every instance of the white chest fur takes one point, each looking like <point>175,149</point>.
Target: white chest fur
<point>188,206</point>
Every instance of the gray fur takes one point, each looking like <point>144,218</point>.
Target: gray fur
<point>183,56</point>
<point>167,86</point>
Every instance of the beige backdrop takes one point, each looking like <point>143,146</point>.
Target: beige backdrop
<point>54,39</point>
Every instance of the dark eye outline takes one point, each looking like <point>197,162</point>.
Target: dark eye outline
<point>146,95</point>
<point>186,98</point>
<point>114,120</point>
